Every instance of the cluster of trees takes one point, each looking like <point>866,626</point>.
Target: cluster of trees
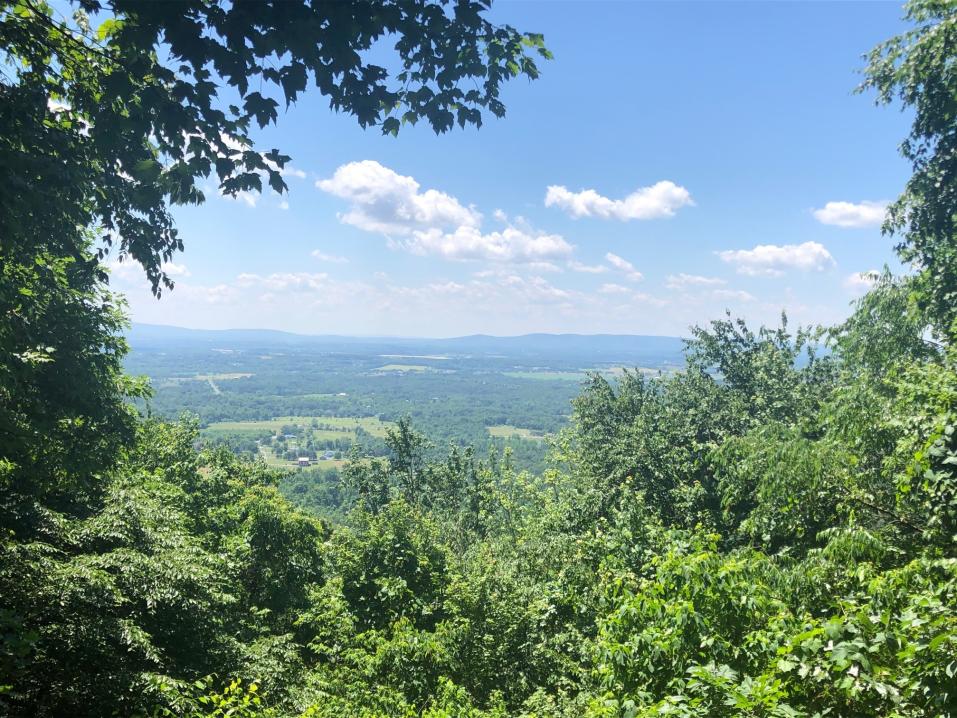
<point>770,532</point>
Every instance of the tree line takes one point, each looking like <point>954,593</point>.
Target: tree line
<point>770,532</point>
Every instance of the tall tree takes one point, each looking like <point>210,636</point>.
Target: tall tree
<point>918,69</point>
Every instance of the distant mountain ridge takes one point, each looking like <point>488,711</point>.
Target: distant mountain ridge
<point>603,347</point>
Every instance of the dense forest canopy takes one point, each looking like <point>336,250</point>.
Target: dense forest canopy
<point>771,531</point>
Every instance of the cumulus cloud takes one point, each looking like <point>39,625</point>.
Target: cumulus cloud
<point>381,200</point>
<point>612,288</point>
<point>129,270</point>
<point>849,214</point>
<point>545,267</point>
<point>217,294</point>
<point>250,199</point>
<point>175,270</point>
<point>860,282</point>
<point>577,266</point>
<point>661,199</point>
<point>333,258</point>
<point>467,242</point>
<point>622,297</point>
<point>737,295</point>
<point>433,223</point>
<point>686,281</point>
<point>284,281</point>
<point>625,267</point>
<point>536,289</point>
<point>772,260</point>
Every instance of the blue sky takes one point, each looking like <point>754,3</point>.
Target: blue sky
<point>674,160</point>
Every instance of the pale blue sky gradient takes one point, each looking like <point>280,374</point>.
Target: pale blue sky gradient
<point>746,107</point>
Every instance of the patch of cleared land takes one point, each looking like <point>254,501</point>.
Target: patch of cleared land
<point>403,367</point>
<point>329,427</point>
<point>272,461</point>
<point>505,431</point>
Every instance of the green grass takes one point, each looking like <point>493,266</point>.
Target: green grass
<point>505,431</point>
<point>276,463</point>
<point>334,427</point>
<point>372,424</point>
<point>270,458</point>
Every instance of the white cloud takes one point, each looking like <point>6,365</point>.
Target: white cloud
<point>290,171</point>
<point>535,289</point>
<point>684,281</point>
<point>613,289</point>
<point>738,295</point>
<point>466,242</point>
<point>323,257</point>
<point>624,266</point>
<point>175,270</point>
<point>503,300</point>
<point>860,282</point>
<point>382,200</point>
<point>130,271</point>
<point>662,199</point>
<point>284,281</point>
<point>848,214</point>
<point>505,295</point>
<point>771,260</point>
<point>577,266</point>
<point>284,205</point>
<point>545,267</point>
<point>250,199</point>
<point>218,294</point>
<point>433,223</point>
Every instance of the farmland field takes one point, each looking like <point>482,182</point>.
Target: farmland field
<point>505,431</point>
<point>327,425</point>
<point>278,396</point>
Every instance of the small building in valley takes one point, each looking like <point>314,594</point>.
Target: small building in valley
<point>303,461</point>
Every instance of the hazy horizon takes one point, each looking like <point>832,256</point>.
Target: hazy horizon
<point>157,325</point>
